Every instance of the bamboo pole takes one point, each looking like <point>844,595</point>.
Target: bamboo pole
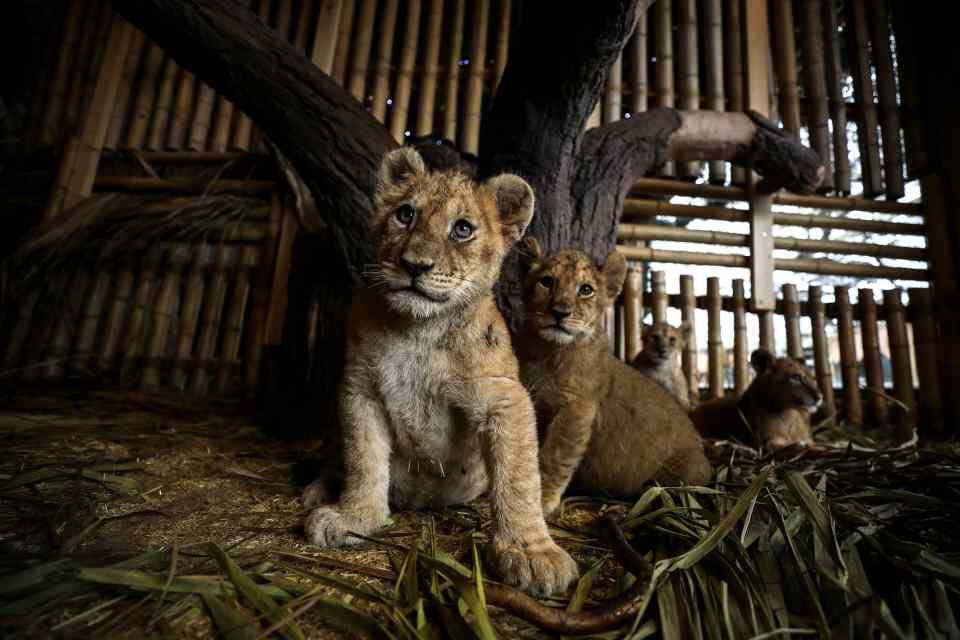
<point>676,234</point>
<point>914,134</point>
<point>55,117</point>
<point>181,112</point>
<point>428,80</point>
<point>688,359</point>
<point>900,363</point>
<point>821,356</point>
<point>381,82</point>
<point>325,39</point>
<point>785,56</point>
<point>734,81</point>
<point>470,138</point>
<point>83,75</point>
<point>640,78</point>
<point>284,11</point>
<point>687,61</point>
<point>42,327</point>
<point>925,349</point>
<point>125,184</point>
<point>121,106</point>
<point>233,321</point>
<point>873,369</point>
<point>765,325</point>
<point>452,81</point>
<point>302,24</point>
<point>161,314</point>
<point>613,92</point>
<point>210,319</point>
<point>163,105</point>
<point>89,323</point>
<point>143,107</point>
<point>815,86</point>
<point>663,29</point>
<point>200,130</point>
<point>802,265</point>
<point>714,341</point>
<point>740,370</point>
<point>261,294</point>
<point>276,313</point>
<point>189,314</point>
<point>850,370</point>
<point>713,72</point>
<point>858,47</point>
<point>791,317</point>
<point>362,43</point>
<point>142,301</point>
<point>220,138</point>
<point>243,130</point>
<point>633,313</point>
<point>838,109</point>
<point>879,17</point>
<point>113,329</point>
<point>22,322</point>
<point>69,313</point>
<point>344,37</point>
<point>658,286</point>
<point>400,113</point>
<point>503,44</point>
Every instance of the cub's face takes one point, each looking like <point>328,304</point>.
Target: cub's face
<point>565,295</point>
<point>439,237</point>
<point>663,341</point>
<point>784,383</point>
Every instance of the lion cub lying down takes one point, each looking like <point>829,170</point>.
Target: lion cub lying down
<point>612,426</point>
<point>431,404</point>
<point>772,413</point>
<point>660,359</point>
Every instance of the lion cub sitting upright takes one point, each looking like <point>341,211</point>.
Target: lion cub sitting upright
<point>660,360</point>
<point>612,426</point>
<point>774,411</point>
<point>431,405</point>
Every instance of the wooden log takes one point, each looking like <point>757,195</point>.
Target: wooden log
<point>362,43</point>
<point>119,309</point>
<point>161,318</point>
<point>381,82</point>
<point>858,48</point>
<point>688,359</point>
<point>879,18</point>
<point>877,408</point>
<point>243,130</point>
<point>713,72</point>
<point>633,313</point>
<point>714,341</point>
<point>815,86</point>
<point>325,39</point>
<point>849,367</point>
<point>741,376</point>
<point>451,83</point>
<point>640,71</point>
<point>905,410</point>
<point>121,106</point>
<point>189,314</point>
<point>821,354</point>
<point>341,54</point>
<point>54,120</point>
<point>503,44</point>
<point>663,34</point>
<point>472,112</point>
<point>791,317</point>
<point>233,322</point>
<point>596,117</point>
<point>785,57</point>
<point>210,319</point>
<point>688,63</point>
<point>428,79</point>
<point>765,324</point>
<point>143,296</point>
<point>930,408</point>
<point>146,93</point>
<point>658,286</point>
<point>613,92</point>
<point>400,113</point>
<point>838,111</point>
<point>914,133</point>
<point>163,105</point>
<point>733,65</point>
<point>89,325</point>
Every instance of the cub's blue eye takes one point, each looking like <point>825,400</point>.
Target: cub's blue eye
<point>547,281</point>
<point>404,214</point>
<point>585,291</point>
<point>462,230</point>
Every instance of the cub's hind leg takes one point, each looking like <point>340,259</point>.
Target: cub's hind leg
<point>363,504</point>
<point>689,466</point>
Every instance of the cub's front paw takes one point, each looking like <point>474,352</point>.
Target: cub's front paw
<point>329,527</point>
<point>541,567</point>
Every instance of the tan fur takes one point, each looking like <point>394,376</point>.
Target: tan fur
<point>613,427</point>
<point>660,360</point>
<point>772,413</point>
<point>431,403</point>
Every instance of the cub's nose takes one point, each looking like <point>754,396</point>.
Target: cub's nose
<point>560,313</point>
<point>415,268</point>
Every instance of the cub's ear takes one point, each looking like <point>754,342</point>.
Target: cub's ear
<point>685,328</point>
<point>399,166</point>
<point>530,253</point>
<point>513,198</point>
<point>761,359</point>
<point>614,274</point>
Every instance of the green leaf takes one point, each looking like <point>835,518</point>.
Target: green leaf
<point>231,621</point>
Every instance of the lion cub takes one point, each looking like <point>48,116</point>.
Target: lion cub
<point>772,413</point>
<point>431,404</point>
<point>660,359</point>
<point>612,426</point>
